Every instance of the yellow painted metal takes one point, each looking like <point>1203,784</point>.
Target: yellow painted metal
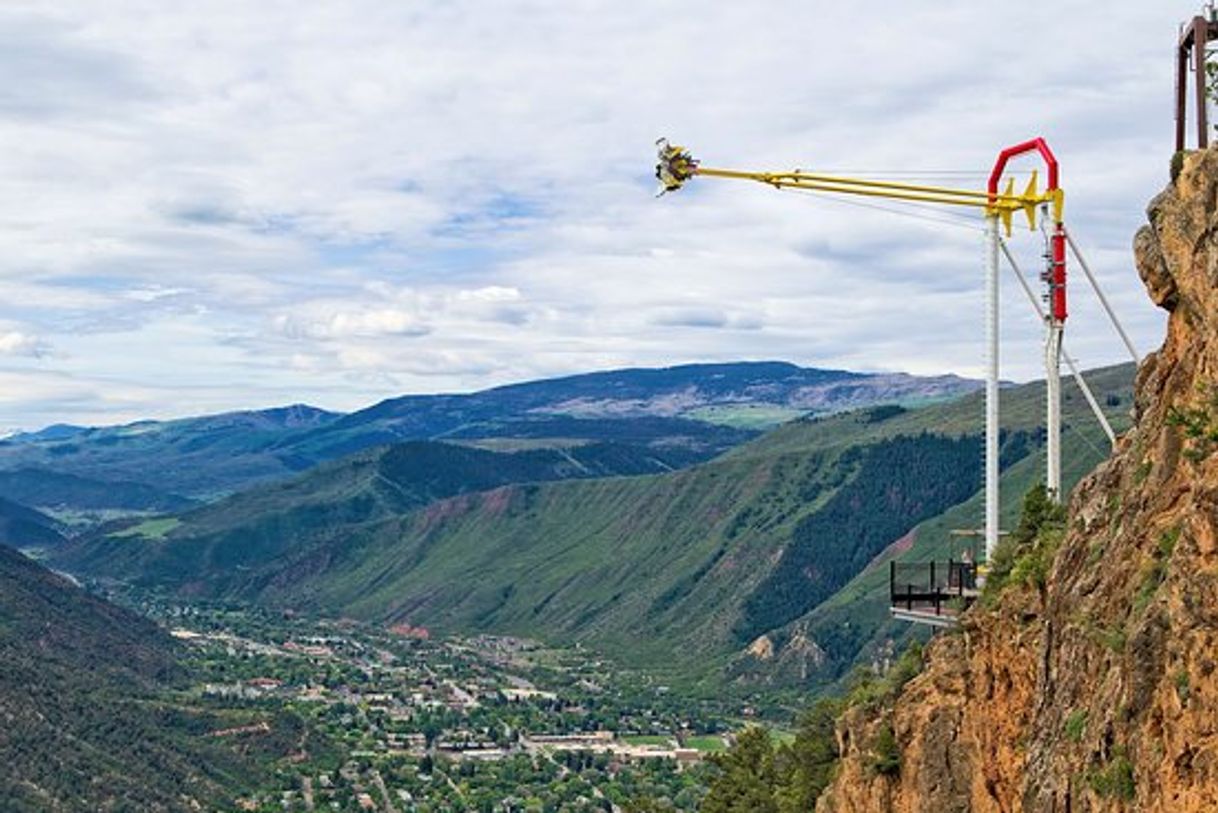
<point>1059,204</point>
<point>1005,214</point>
<point>676,166</point>
<point>800,177</point>
<point>1003,204</point>
<point>1030,193</point>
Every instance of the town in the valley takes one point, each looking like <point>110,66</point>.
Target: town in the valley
<point>394,719</point>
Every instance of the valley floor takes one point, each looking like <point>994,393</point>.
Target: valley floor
<point>402,722</point>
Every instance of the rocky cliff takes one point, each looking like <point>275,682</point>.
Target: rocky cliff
<point>1098,691</point>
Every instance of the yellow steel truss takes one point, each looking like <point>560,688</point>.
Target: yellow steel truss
<point>676,166</point>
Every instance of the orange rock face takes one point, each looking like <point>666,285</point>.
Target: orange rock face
<point>1103,694</point>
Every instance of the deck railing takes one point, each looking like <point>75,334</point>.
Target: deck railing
<point>931,585</point>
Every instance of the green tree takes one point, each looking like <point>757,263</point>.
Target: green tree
<point>1026,555</point>
<point>885,752</point>
<point>807,765</point>
<point>747,776</point>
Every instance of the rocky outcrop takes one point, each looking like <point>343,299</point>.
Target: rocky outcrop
<point>1102,693</point>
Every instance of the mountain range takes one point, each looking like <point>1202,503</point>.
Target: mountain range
<point>681,415</point>
<point>734,566</point>
<point>711,539</point>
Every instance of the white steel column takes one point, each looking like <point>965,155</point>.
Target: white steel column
<point>1053,397</point>
<point>1066,357</point>
<point>991,386</point>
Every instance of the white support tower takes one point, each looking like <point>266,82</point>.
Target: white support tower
<point>1053,399</point>
<point>1088,395</point>
<point>991,386</point>
<point>676,166</point>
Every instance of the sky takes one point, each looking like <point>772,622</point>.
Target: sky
<point>223,205</point>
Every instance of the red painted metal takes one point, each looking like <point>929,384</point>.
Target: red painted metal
<point>1057,275</point>
<point>1006,155</point>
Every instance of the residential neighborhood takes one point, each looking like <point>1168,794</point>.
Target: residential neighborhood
<point>418,722</point>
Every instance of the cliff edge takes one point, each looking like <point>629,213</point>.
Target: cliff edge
<point>1098,691</point>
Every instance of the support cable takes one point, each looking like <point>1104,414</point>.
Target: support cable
<point>1095,285</point>
<point>934,214</point>
<point>906,173</point>
<point>1066,357</point>
<point>1083,437</point>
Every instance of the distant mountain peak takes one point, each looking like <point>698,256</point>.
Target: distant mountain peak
<point>698,409</point>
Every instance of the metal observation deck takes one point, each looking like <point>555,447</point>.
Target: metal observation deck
<point>933,593</point>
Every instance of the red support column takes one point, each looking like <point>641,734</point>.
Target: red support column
<point>1059,272</point>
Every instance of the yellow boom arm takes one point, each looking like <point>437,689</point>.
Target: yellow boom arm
<point>676,166</point>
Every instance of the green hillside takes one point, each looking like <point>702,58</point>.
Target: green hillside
<point>854,625</point>
<point>697,407</point>
<point>22,527</point>
<point>683,415</point>
<point>76,501</point>
<point>54,490</point>
<point>90,720</point>
<point>256,526</point>
<point>647,567</point>
<point>678,570</point>
<point>195,457</point>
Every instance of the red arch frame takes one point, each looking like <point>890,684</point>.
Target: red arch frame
<point>1058,240</point>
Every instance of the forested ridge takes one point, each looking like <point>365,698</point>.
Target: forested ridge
<point>89,715</point>
<point>898,483</point>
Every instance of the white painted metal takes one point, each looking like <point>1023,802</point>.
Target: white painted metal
<point>991,387</point>
<point>920,617</point>
<point>1100,417</point>
<point>1095,285</point>
<point>1066,357</point>
<point>1053,401</point>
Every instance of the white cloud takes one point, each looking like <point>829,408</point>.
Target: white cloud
<point>341,202</point>
<point>372,322</point>
<point>16,343</point>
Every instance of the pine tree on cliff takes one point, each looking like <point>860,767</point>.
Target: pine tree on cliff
<point>747,776</point>
<point>1026,555</point>
<point>756,776</point>
<point>806,766</point>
